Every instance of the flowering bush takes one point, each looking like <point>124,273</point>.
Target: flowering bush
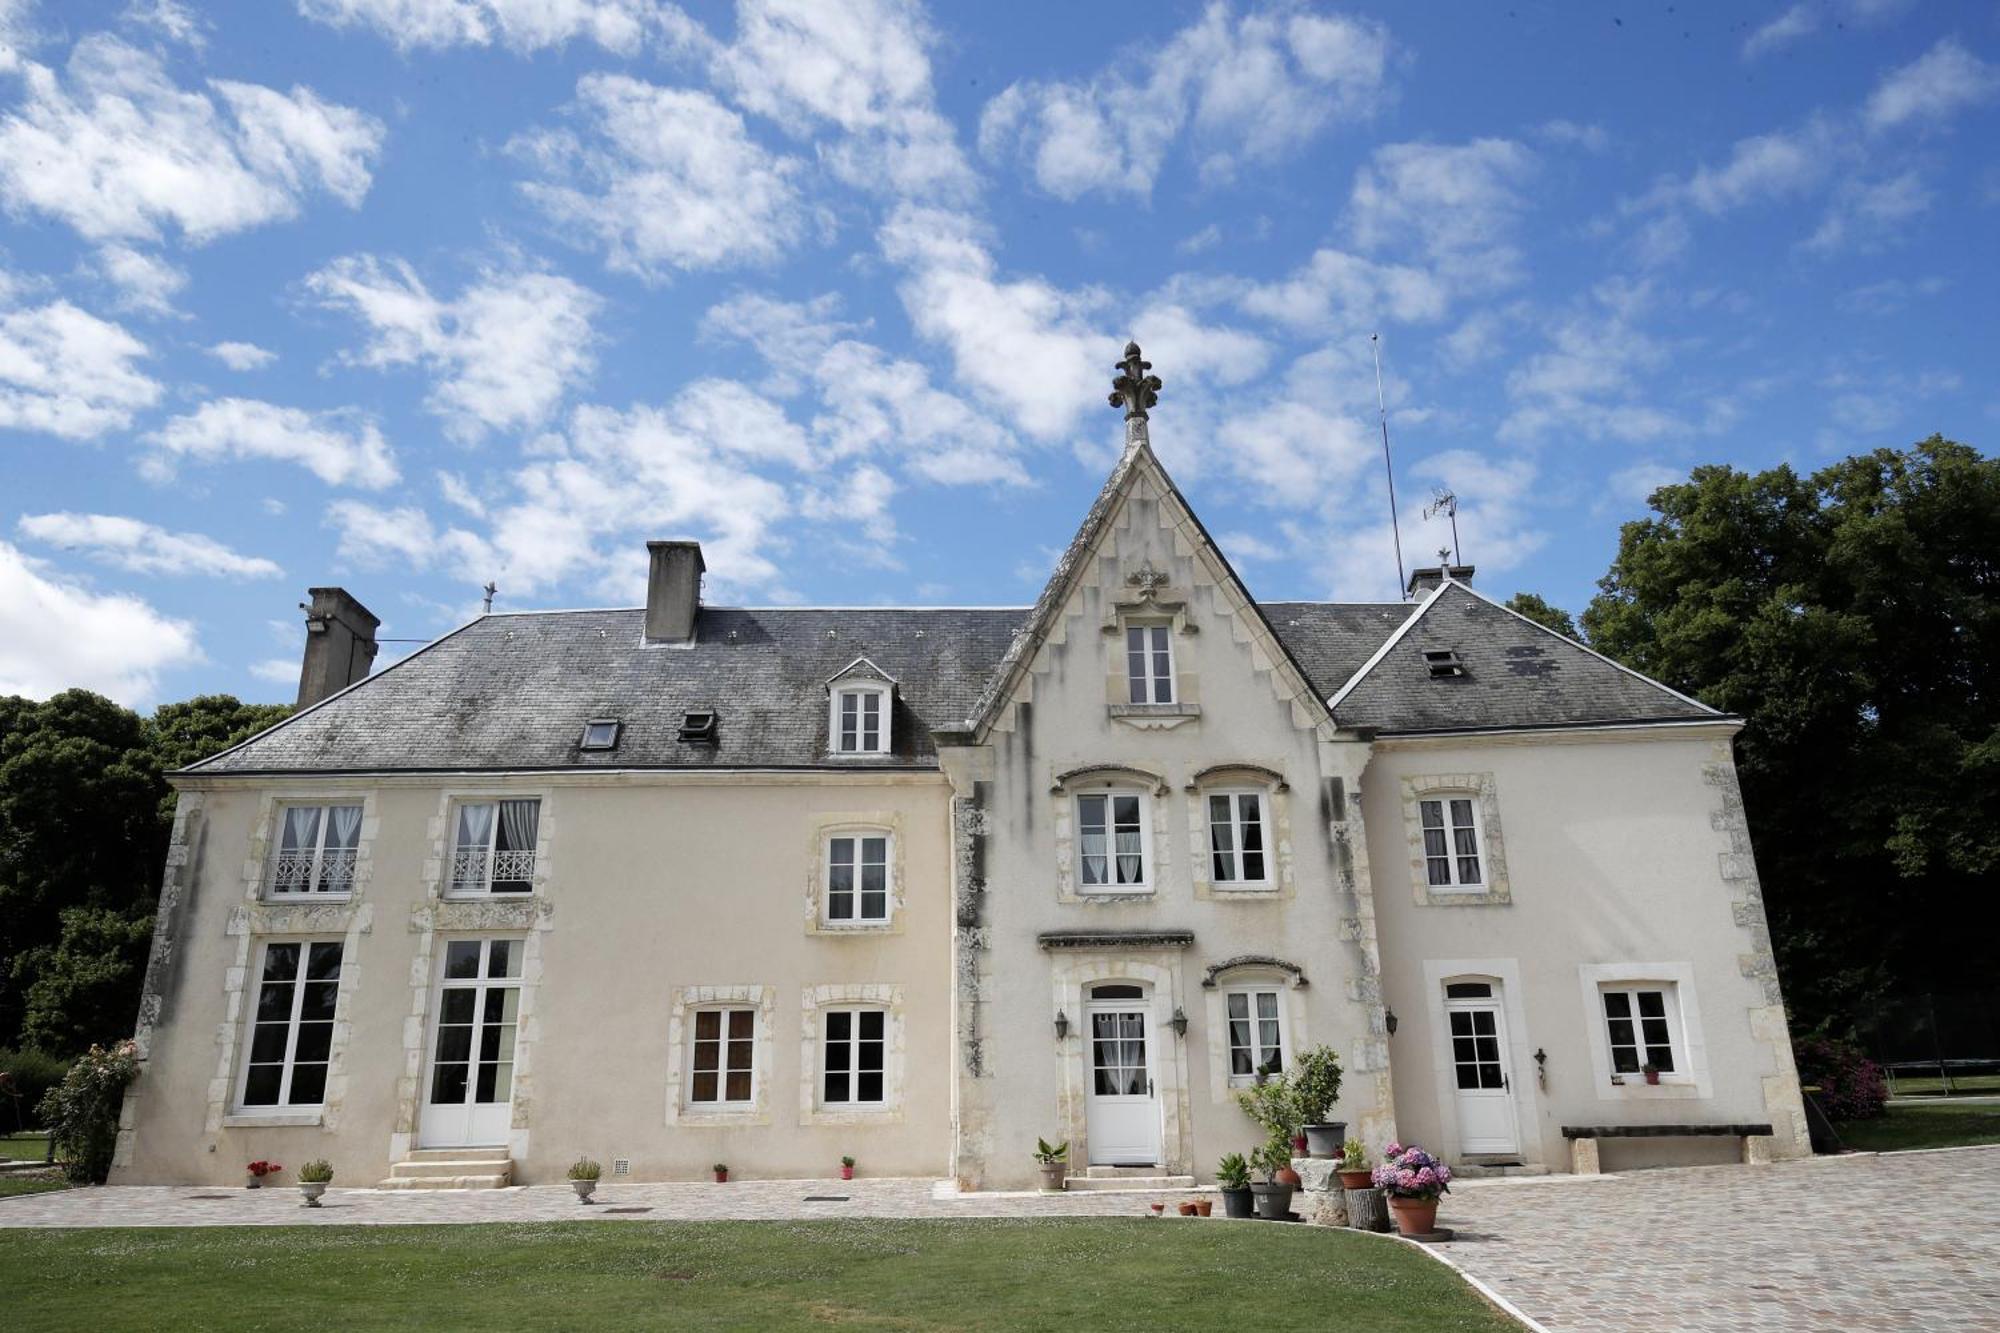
<point>1851,1086</point>
<point>261,1168</point>
<point>1411,1173</point>
<point>81,1112</point>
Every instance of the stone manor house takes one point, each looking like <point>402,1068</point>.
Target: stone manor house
<point>687,884</point>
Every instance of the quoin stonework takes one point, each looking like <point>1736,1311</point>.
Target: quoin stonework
<point>686,884</point>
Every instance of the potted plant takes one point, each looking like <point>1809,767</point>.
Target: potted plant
<point>583,1174</point>
<point>1274,1196</point>
<point>1651,1071</point>
<point>1413,1180</point>
<point>1315,1084</point>
<point>847,1168</point>
<point>1273,1104</point>
<point>313,1178</point>
<point>1187,1208</point>
<point>1203,1207</point>
<point>1232,1175</point>
<point>1055,1164</point>
<point>1353,1169</point>
<point>721,1170</point>
<point>258,1170</point>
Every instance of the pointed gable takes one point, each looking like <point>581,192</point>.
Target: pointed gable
<point>1463,662</point>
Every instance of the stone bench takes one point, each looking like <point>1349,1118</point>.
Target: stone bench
<point>1583,1140</point>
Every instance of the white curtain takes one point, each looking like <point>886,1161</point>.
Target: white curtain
<point>1128,856</point>
<point>345,832</point>
<point>301,828</point>
<point>518,821</point>
<point>475,825</point>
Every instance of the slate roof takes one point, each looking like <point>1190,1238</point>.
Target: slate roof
<point>512,691</point>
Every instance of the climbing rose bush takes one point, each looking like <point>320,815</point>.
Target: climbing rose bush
<point>1851,1086</point>
<point>81,1112</point>
<point>1411,1173</point>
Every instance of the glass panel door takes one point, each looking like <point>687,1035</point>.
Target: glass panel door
<point>470,1092</point>
<point>1478,1040</point>
<point>1123,1112</point>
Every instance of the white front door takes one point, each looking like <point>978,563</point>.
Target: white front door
<point>469,1096</point>
<point>1123,1113</point>
<point>1479,1062</point>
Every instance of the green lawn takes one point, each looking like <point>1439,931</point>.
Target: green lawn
<point>1961,1085</point>
<point>28,1147</point>
<point>1069,1274</point>
<point>41,1182</point>
<point>1941,1126</point>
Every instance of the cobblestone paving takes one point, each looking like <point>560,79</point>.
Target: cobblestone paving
<point>1908,1241</point>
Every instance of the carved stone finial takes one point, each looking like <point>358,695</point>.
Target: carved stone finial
<point>1134,390</point>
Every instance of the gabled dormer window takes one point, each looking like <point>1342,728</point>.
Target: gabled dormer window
<point>859,723</point>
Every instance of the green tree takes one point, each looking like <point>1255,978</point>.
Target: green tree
<point>87,984</point>
<point>1851,619</point>
<point>1544,613</point>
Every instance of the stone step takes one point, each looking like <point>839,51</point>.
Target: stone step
<point>459,1166</point>
<point>1496,1170</point>
<point>1114,1184</point>
<point>458,1155</point>
<point>1119,1172</point>
<point>482,1182</point>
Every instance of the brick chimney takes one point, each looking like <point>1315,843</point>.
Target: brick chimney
<point>340,644</point>
<point>1426,581</point>
<point>673,591</point>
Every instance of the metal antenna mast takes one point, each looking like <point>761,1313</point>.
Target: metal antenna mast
<point>1446,503</point>
<point>1389,468</point>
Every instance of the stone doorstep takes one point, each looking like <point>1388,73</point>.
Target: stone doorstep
<point>1496,1171</point>
<point>1128,1184</point>
<point>443,1183</point>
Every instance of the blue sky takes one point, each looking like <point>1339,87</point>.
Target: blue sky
<point>407,295</point>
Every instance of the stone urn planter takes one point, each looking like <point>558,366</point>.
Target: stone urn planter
<point>584,1189</point>
<point>1274,1201</point>
<point>310,1190</point>
<point>1414,1217</point>
<point>1239,1203</point>
<point>1054,1177</point>
<point>1326,1140</point>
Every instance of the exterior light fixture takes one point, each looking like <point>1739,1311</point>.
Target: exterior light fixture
<point>1062,1025</point>
<point>1389,1020</point>
<point>1178,1022</point>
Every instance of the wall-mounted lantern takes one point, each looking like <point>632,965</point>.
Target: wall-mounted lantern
<point>1542,1067</point>
<point>1062,1025</point>
<point>1178,1022</point>
<point>1389,1020</point>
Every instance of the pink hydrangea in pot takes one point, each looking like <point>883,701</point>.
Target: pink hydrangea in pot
<point>1413,1180</point>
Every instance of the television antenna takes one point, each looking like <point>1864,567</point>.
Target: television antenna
<point>1446,503</point>
<point>489,590</point>
<point>1388,468</point>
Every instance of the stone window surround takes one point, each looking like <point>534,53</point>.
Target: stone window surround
<point>1151,787</point>
<point>1696,1081</point>
<point>813,1002</point>
<point>1268,782</point>
<point>264,834</point>
<point>687,1000</point>
<point>1145,598</point>
<point>444,832</point>
<point>826,825</point>
<point>1505,974</point>
<point>1222,1085</point>
<point>1071,973</point>
<point>1498,891</point>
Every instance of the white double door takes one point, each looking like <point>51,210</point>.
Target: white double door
<point>1123,1108</point>
<point>1477,1031</point>
<point>469,1075</point>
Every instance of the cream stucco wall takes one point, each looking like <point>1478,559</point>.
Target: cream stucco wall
<point>650,888</point>
<point>1016,1080</point>
<point>1626,857</point>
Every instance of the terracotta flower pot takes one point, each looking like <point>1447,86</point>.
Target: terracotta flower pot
<point>1286,1176</point>
<point>847,1173</point>
<point>1159,1209</point>
<point>1356,1180</point>
<point>1653,1076</point>
<point>1187,1210</point>
<point>722,1177</point>
<point>1414,1217</point>
<point>1203,1207</point>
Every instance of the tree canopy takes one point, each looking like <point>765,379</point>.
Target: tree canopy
<point>1851,619</point>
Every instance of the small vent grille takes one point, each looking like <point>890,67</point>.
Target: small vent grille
<point>1443,662</point>
<point>621,1166</point>
<point>699,726</point>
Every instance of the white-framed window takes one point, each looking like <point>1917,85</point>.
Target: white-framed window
<point>1642,1026</point>
<point>1255,1015</point>
<point>1114,841</point>
<point>1451,841</point>
<point>317,847</point>
<point>291,1024</point>
<point>723,1067</point>
<point>857,877</point>
<point>860,719</point>
<point>493,846</point>
<point>1238,838</point>
<point>1149,664</point>
<point>854,1057</point>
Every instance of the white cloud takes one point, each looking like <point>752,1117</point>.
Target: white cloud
<point>791,336</point>
<point>1250,88</point>
<point>1760,168</point>
<point>242,356</point>
<point>664,178</point>
<point>1634,483</point>
<point>278,670</point>
<point>1866,216</point>
<point>1335,287</point>
<point>1890,294</point>
<point>146,283</point>
<point>1456,204</point>
<point>503,353</point>
<point>1575,134</point>
<point>68,373</point>
<point>56,634</point>
<point>522,25</point>
<point>170,19</point>
<point>861,66</point>
<point>1206,239</point>
<point>143,548</point>
<point>1934,87</point>
<point>116,149</point>
<point>1296,452</point>
<point>1588,381</point>
<point>335,447</point>
<point>1801,20</point>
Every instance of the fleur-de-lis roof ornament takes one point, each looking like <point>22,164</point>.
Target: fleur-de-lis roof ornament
<point>1134,390</point>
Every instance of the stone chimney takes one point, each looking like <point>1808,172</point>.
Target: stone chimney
<point>1426,581</point>
<point>340,644</point>
<point>673,591</point>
